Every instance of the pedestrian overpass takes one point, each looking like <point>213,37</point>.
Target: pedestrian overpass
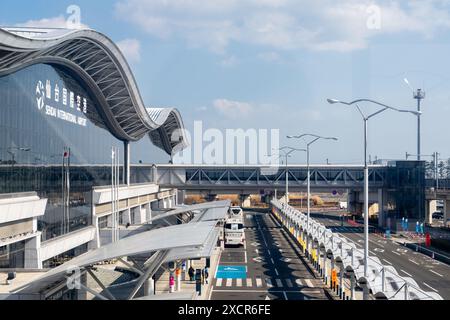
<point>252,179</point>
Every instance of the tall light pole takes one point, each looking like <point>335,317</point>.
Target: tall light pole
<point>287,151</point>
<point>308,148</point>
<point>366,166</point>
<point>419,95</point>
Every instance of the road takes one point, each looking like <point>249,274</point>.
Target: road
<point>430,275</point>
<point>274,267</point>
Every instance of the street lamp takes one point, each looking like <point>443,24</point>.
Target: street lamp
<point>315,139</point>
<point>419,95</point>
<point>287,151</point>
<point>366,166</point>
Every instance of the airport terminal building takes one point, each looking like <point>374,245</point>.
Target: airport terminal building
<point>67,97</point>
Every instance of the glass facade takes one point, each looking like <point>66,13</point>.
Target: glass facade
<point>51,128</point>
<point>406,190</point>
<point>13,255</point>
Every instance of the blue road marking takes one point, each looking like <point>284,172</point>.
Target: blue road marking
<point>231,272</point>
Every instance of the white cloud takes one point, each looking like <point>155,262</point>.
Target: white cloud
<point>270,56</point>
<point>230,61</point>
<point>233,109</point>
<point>201,109</point>
<point>54,22</point>
<point>283,24</point>
<point>131,49</point>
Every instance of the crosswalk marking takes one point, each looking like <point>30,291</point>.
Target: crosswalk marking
<point>258,282</point>
<point>289,283</point>
<point>264,282</point>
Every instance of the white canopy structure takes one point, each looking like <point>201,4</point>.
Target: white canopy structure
<point>193,240</point>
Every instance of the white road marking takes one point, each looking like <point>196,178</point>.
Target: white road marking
<point>276,272</point>
<point>269,252</point>
<point>229,282</point>
<point>397,253</point>
<point>309,283</point>
<point>245,255</point>
<point>238,282</point>
<point>249,282</point>
<point>269,283</point>
<point>279,283</point>
<point>430,287</point>
<point>406,273</point>
<point>387,262</point>
<point>271,259</point>
<point>285,295</point>
<point>440,275</point>
<point>258,282</point>
<point>414,262</point>
<point>299,282</point>
<point>219,282</point>
<point>289,283</point>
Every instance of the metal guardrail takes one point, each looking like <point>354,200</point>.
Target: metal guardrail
<point>384,281</point>
<point>432,254</point>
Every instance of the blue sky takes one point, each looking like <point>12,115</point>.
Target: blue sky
<point>273,63</point>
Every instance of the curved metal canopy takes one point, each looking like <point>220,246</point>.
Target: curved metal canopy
<point>102,67</point>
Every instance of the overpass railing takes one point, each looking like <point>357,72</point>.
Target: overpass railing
<point>267,177</point>
<point>327,250</point>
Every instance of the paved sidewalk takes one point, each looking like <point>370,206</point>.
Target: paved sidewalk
<point>162,285</point>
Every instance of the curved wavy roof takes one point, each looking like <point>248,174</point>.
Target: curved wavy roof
<point>102,67</point>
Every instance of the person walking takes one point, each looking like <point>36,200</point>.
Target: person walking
<point>191,273</point>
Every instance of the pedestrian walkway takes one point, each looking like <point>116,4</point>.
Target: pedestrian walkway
<point>266,283</point>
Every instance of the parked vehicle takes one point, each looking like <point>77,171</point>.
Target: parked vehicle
<point>234,232</point>
<point>236,213</point>
<point>343,205</point>
<point>438,215</point>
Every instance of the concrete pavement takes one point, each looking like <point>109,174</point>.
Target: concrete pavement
<point>275,267</point>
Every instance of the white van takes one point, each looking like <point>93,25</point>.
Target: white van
<point>343,205</point>
<point>234,232</point>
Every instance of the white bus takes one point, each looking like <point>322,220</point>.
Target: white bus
<point>234,232</point>
<point>236,213</point>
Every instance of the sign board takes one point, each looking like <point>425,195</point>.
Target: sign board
<point>198,281</point>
